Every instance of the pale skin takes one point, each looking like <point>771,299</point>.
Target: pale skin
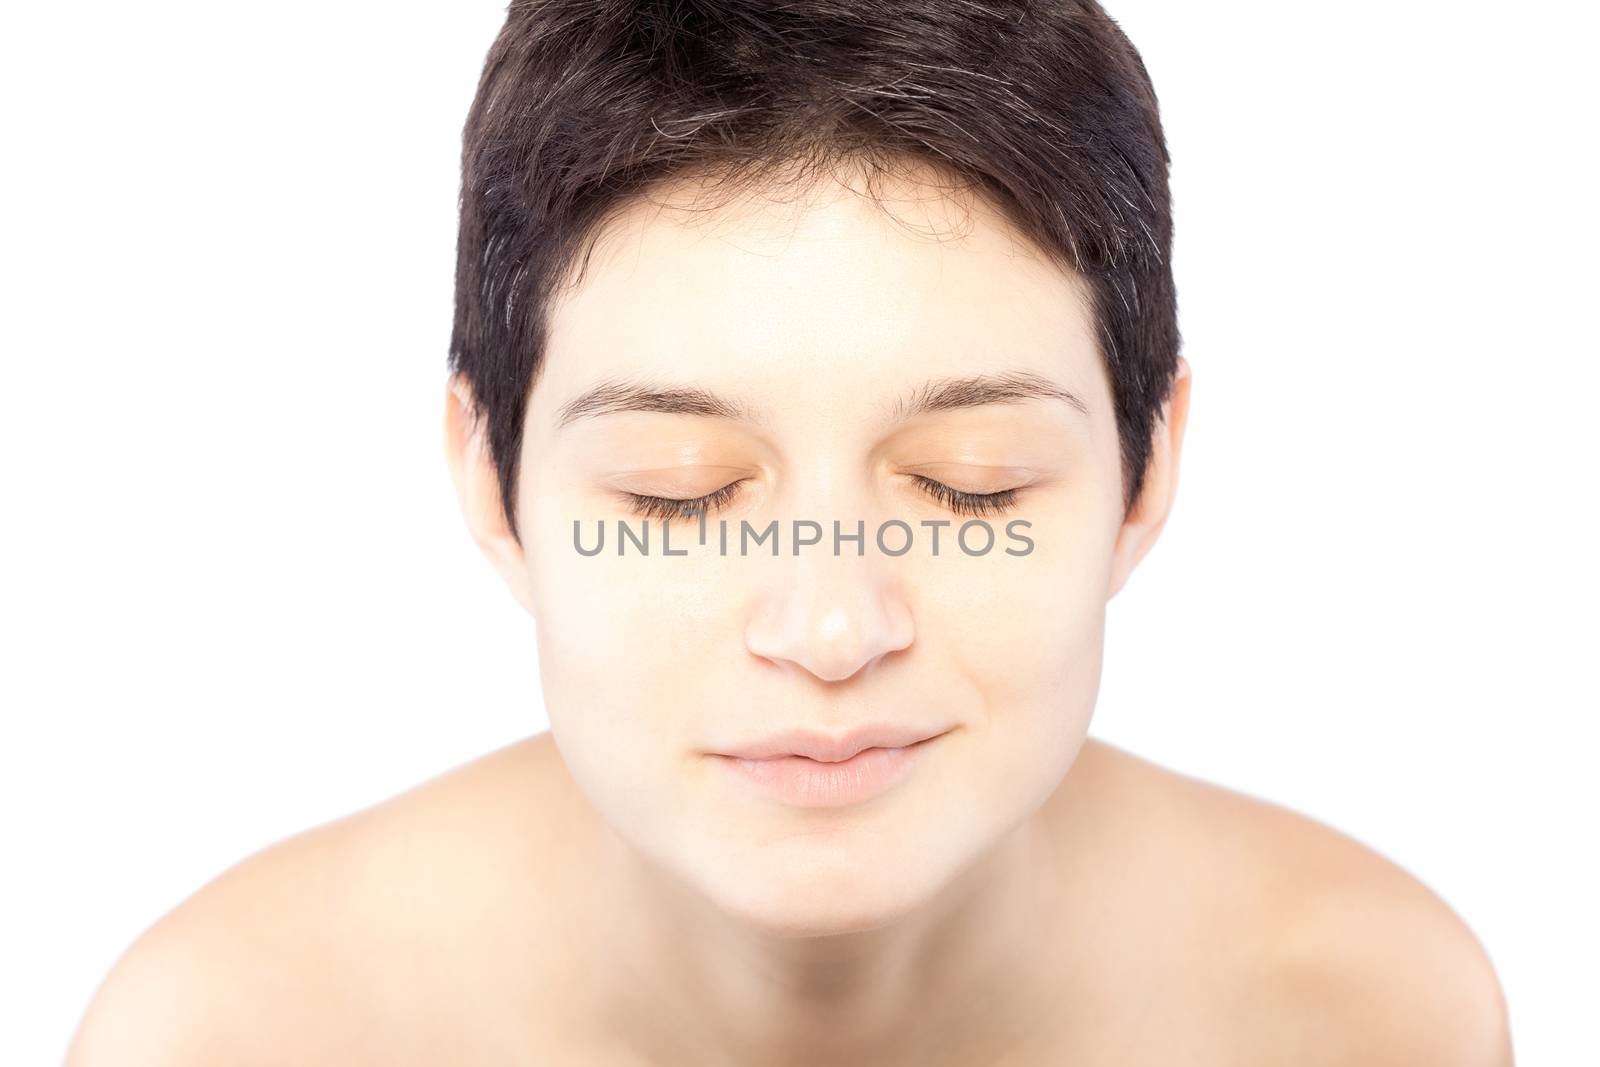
<point>600,894</point>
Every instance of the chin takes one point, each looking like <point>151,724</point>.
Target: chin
<point>810,891</point>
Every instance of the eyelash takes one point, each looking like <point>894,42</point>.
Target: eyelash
<point>665,507</point>
<point>962,503</point>
<point>968,503</point>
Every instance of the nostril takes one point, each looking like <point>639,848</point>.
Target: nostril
<point>833,629</point>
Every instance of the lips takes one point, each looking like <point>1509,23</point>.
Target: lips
<point>801,781</point>
<point>831,748</point>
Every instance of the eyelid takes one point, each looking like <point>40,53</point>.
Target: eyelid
<point>1004,472</point>
<point>964,503</point>
<point>961,501</point>
<point>666,480</point>
<point>665,507</point>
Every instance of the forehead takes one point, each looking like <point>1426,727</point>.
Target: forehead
<point>830,295</point>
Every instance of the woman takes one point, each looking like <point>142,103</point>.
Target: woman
<point>815,384</point>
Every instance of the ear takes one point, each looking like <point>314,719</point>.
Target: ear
<point>472,469</point>
<point>1142,526</point>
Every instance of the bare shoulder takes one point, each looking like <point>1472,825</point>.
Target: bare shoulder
<point>1317,949</point>
<point>340,943</point>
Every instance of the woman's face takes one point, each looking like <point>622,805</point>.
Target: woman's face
<point>821,322</point>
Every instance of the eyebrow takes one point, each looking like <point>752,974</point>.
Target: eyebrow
<point>940,394</point>
<point>945,394</point>
<point>613,396</point>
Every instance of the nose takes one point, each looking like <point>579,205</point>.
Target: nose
<point>833,616</point>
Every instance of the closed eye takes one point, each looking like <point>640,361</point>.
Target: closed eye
<point>964,503</point>
<point>666,507</point>
<point>957,500</point>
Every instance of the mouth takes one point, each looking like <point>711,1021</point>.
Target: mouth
<point>802,781</point>
<point>833,748</point>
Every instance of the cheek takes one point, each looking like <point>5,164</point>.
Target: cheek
<point>1027,634</point>
<point>634,624</point>
<point>613,654</point>
<point>627,650</point>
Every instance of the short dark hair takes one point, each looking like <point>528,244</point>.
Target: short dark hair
<point>584,106</point>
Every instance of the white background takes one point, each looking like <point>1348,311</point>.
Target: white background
<point>237,597</point>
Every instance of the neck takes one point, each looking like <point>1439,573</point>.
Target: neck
<point>970,969</point>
